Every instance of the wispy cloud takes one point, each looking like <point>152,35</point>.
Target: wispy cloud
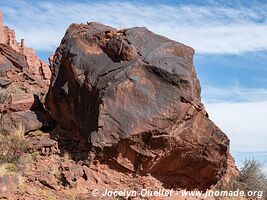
<point>241,114</point>
<point>211,29</point>
<point>212,94</point>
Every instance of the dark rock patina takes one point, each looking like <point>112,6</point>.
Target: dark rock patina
<point>135,97</point>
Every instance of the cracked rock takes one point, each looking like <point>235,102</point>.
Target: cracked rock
<point>135,97</point>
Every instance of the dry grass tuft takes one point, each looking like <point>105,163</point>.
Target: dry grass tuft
<point>3,96</point>
<point>12,146</point>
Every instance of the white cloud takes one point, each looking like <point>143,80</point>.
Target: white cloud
<point>241,114</point>
<point>244,123</point>
<point>209,29</point>
<point>233,94</point>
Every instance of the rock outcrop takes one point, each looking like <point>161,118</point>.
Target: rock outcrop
<point>39,68</point>
<point>24,81</point>
<point>21,93</point>
<point>135,97</point>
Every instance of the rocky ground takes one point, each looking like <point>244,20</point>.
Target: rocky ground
<point>47,171</point>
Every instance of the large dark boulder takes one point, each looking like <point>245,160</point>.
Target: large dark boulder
<point>135,97</point>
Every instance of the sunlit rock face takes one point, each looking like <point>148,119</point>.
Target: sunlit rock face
<point>38,67</point>
<point>134,97</point>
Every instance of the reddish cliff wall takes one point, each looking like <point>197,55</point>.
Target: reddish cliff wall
<point>8,37</point>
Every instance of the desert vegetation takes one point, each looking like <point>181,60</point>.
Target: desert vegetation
<point>251,178</point>
<point>3,96</point>
<point>12,145</point>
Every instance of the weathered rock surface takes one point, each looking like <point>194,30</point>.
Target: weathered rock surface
<point>10,58</point>
<point>27,120</point>
<point>49,172</point>
<point>21,93</point>
<point>135,97</point>
<point>38,68</point>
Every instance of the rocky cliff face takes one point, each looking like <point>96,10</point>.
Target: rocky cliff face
<point>133,98</point>
<point>24,81</point>
<point>38,67</point>
<point>21,93</point>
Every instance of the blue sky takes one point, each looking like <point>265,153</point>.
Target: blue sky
<point>229,37</point>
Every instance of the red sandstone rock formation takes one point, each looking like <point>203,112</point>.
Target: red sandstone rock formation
<point>135,97</point>
<point>20,92</point>
<point>24,82</point>
<point>39,68</point>
<point>132,94</point>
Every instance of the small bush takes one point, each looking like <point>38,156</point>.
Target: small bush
<point>11,168</point>
<point>251,178</point>
<point>12,146</point>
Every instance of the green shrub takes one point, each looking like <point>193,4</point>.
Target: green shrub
<point>11,168</point>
